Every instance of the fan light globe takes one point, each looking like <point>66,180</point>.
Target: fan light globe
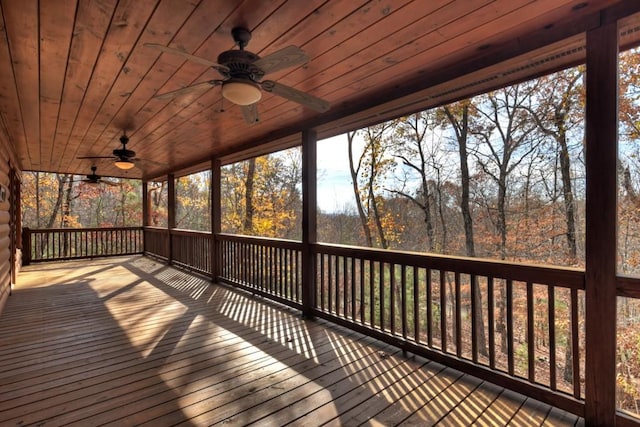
<point>241,93</point>
<point>124,164</point>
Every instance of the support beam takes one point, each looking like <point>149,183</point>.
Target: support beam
<point>601,232</point>
<point>145,204</point>
<point>309,219</point>
<point>216,218</point>
<point>171,213</point>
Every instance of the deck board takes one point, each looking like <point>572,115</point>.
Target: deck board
<point>129,341</point>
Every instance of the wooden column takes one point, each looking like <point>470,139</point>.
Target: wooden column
<point>216,218</point>
<point>171,213</point>
<point>145,213</point>
<point>601,233</point>
<point>145,203</point>
<point>309,220</point>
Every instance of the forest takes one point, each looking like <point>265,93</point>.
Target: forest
<point>500,176</point>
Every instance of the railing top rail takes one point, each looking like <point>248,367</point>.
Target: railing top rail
<point>280,243</point>
<point>59,230</point>
<point>185,231</point>
<point>552,275</point>
<point>155,228</point>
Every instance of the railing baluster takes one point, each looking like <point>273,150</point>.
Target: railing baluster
<point>353,289</point>
<point>403,302</point>
<point>372,292</point>
<point>416,304</point>
<point>458,315</point>
<point>322,280</point>
<point>491,323</point>
<point>381,285</point>
<point>530,334</point>
<point>510,365</point>
<point>428,290</point>
<point>329,282</point>
<point>474,318</point>
<point>345,288</point>
<point>575,351</point>
<point>361,263</point>
<point>392,298</point>
<point>551,307</point>
<point>443,312</point>
<point>337,283</point>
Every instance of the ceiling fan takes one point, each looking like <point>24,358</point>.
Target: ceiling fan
<point>242,72</point>
<point>94,178</point>
<point>123,158</point>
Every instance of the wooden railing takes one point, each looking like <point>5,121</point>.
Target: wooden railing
<point>518,325</point>
<point>269,267</point>
<point>78,243</point>
<point>156,242</point>
<point>191,249</point>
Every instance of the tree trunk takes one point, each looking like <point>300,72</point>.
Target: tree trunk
<point>567,192</point>
<point>461,128</point>
<point>247,225</point>
<point>356,192</point>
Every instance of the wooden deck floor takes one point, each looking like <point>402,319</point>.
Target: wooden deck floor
<point>129,341</point>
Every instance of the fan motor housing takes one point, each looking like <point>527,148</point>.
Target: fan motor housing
<point>240,64</point>
<point>123,153</point>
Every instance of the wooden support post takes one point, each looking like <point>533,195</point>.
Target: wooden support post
<point>145,213</point>
<point>601,232</point>
<point>26,246</point>
<point>309,220</point>
<point>171,213</point>
<point>145,203</point>
<point>216,219</point>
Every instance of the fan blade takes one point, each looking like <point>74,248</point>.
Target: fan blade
<point>180,52</point>
<point>295,95</point>
<point>289,56</point>
<point>188,89</point>
<point>110,183</point>
<point>250,113</point>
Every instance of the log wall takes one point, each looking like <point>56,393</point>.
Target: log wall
<point>9,216</point>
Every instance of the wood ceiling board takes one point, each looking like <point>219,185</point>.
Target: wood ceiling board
<point>341,59</point>
<point>382,12</point>
<point>212,44</point>
<point>125,28</point>
<point>351,80</point>
<point>344,53</point>
<point>153,115</point>
<point>91,26</point>
<point>56,27</point>
<point>10,114</point>
<point>488,57</point>
<point>469,85</point>
<point>370,56</point>
<point>441,42</point>
<point>21,24</point>
<point>120,108</point>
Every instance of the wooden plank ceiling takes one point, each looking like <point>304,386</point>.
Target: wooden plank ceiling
<point>74,74</point>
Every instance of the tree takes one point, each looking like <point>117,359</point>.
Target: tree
<point>368,174</point>
<point>503,131</point>
<point>557,111</point>
<point>414,153</point>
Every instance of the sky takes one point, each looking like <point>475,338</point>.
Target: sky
<point>335,191</point>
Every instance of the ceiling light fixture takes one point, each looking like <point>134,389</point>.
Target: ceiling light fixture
<point>123,164</point>
<point>241,92</point>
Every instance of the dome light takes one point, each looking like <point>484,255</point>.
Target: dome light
<point>124,164</point>
<point>241,92</point>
